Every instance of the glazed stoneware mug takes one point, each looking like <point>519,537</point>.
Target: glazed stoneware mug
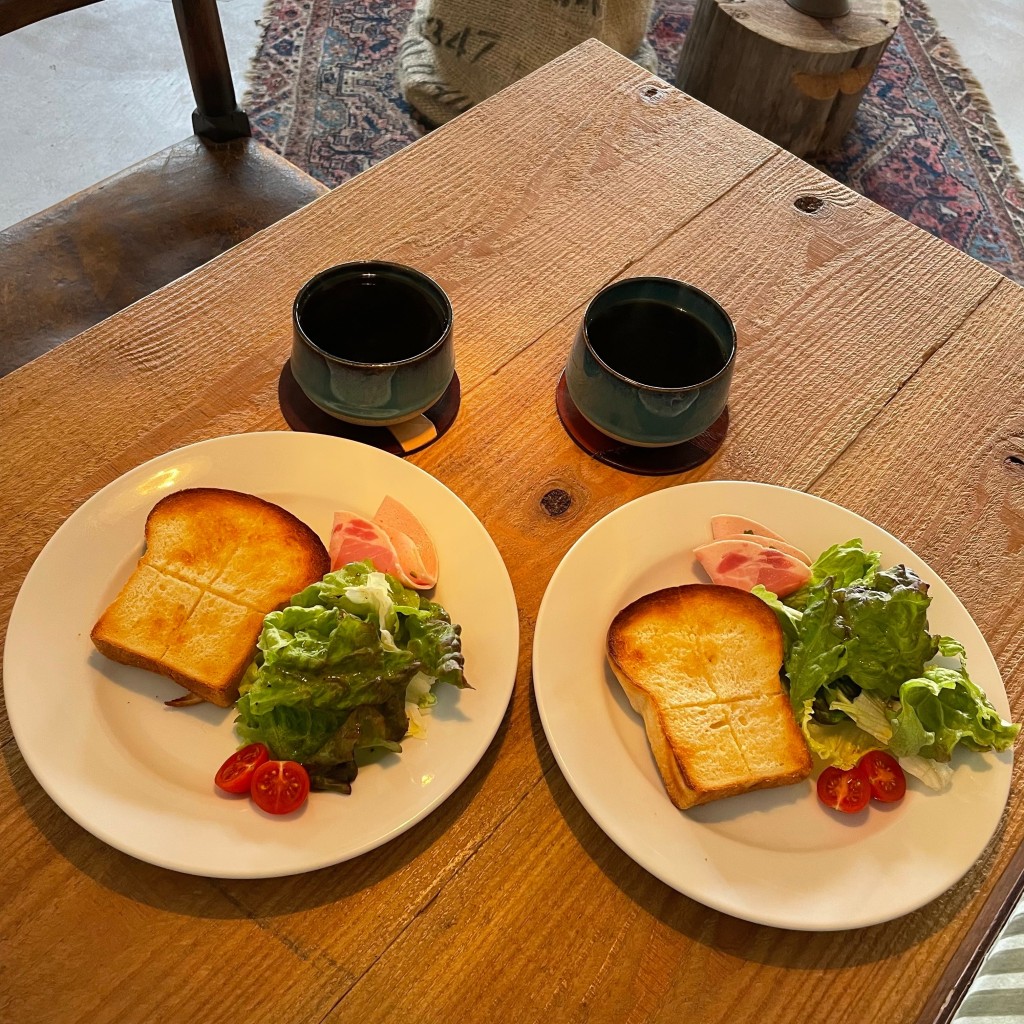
<point>652,361</point>
<point>372,342</point>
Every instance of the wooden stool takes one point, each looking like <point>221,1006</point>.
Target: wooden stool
<point>794,79</point>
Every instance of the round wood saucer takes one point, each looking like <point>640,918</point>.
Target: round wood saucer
<point>301,414</point>
<point>675,458</point>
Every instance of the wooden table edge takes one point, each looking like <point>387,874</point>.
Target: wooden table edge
<point>962,969</point>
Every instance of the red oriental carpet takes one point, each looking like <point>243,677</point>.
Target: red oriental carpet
<point>323,92</point>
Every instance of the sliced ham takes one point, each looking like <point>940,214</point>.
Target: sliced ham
<point>771,542</point>
<point>728,526</point>
<point>356,539</point>
<point>416,552</point>
<point>394,541</point>
<point>743,564</point>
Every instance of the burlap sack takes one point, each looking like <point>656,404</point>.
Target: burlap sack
<point>458,52</point>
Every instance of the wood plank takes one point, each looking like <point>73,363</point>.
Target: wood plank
<point>799,360</point>
<point>175,369</point>
<point>963,965</point>
<point>965,454</point>
<point>499,423</point>
<point>789,364</point>
<point>551,921</point>
<point>964,514</point>
<point>353,913</point>
<point>817,301</point>
<point>92,936</point>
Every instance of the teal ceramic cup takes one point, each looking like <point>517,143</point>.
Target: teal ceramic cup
<point>372,342</point>
<point>652,361</point>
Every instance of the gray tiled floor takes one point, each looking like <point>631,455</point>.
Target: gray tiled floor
<point>107,84</point>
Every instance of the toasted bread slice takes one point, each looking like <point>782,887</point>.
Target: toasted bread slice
<point>215,563</point>
<point>701,665</point>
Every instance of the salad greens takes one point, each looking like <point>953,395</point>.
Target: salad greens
<point>347,666</point>
<point>859,659</point>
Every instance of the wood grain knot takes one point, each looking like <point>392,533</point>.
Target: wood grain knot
<point>808,204</point>
<point>1014,462</point>
<point>653,93</point>
<point>556,502</point>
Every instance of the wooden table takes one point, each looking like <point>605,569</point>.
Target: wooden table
<point>879,368</point>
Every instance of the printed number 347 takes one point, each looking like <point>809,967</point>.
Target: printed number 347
<point>467,42</point>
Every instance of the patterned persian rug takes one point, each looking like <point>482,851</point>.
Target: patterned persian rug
<point>925,145</point>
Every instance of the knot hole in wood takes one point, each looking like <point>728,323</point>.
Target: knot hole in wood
<point>1013,459</point>
<point>556,502</point>
<point>653,93</point>
<point>808,204</point>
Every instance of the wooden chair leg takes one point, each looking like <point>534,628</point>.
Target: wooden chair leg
<point>217,116</point>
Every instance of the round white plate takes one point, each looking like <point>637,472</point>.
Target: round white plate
<point>775,857</point>
<point>139,775</point>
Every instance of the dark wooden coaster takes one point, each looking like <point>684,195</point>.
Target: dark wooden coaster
<point>675,458</point>
<point>301,414</point>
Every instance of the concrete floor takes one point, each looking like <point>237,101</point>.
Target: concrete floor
<point>989,36</point>
<point>108,84</point>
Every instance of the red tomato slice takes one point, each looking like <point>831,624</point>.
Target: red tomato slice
<point>847,791</point>
<point>235,774</point>
<point>888,783</point>
<point>280,787</point>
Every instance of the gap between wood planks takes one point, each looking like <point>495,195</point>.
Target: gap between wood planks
<point>925,360</point>
<point>463,863</point>
<point>778,155</point>
<point>577,313</point>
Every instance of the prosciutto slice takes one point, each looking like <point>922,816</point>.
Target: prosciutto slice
<point>771,542</point>
<point>356,539</point>
<point>743,564</point>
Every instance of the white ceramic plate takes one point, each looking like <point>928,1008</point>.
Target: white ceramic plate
<point>139,775</point>
<point>775,857</point>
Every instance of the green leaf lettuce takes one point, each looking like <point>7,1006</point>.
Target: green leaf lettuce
<point>341,668</point>
<point>860,666</point>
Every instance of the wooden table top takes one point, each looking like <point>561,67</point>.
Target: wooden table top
<point>878,368</point>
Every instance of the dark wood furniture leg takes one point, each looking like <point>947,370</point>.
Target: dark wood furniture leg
<point>217,116</point>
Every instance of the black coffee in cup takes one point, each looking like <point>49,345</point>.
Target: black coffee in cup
<point>372,342</point>
<point>651,362</point>
<point>372,318</point>
<point>656,343</point>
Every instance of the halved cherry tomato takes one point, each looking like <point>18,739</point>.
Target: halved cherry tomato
<point>888,783</point>
<point>847,791</point>
<point>235,774</point>
<point>280,787</point>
